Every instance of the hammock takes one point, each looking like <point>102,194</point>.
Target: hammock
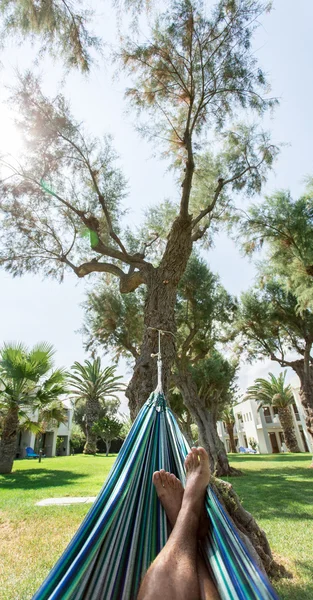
<point>127,527</point>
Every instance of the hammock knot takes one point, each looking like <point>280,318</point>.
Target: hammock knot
<point>160,402</point>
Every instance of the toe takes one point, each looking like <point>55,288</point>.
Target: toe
<point>168,479</point>
<point>203,456</point>
<point>173,481</point>
<point>189,461</point>
<point>195,457</point>
<point>156,480</point>
<point>156,476</point>
<point>163,477</point>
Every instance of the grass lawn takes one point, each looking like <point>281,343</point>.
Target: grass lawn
<point>277,489</point>
<point>33,537</point>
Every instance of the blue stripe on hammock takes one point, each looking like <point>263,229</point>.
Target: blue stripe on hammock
<point>127,527</point>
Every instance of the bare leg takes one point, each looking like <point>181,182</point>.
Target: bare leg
<point>170,492</point>
<point>173,575</point>
<point>208,590</point>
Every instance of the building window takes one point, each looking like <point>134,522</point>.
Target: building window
<point>296,411</point>
<point>267,415</point>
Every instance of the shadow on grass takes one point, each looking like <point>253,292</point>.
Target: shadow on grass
<point>289,590</point>
<point>305,457</point>
<point>274,493</point>
<point>33,479</point>
<point>281,487</point>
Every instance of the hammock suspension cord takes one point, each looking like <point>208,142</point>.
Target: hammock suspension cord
<point>158,355</point>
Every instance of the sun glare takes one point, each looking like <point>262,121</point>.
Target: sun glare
<point>11,140</point>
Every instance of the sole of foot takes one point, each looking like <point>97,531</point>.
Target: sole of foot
<point>170,492</point>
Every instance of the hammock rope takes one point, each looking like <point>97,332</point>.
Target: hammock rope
<point>126,528</point>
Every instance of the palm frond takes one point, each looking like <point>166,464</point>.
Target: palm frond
<point>272,392</point>
<point>91,381</point>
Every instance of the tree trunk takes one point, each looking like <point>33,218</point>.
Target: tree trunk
<point>208,436</point>
<point>230,431</point>
<point>92,415</point>
<point>108,446</point>
<point>250,532</point>
<point>161,291</point>
<point>286,422</point>
<point>306,395</point>
<point>8,440</point>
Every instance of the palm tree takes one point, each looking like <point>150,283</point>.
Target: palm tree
<point>93,385</point>
<point>276,393</point>
<point>227,416</point>
<point>26,385</point>
<point>50,416</point>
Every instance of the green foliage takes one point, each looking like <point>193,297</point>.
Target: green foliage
<point>126,426</point>
<point>27,380</point>
<point>191,77</point>
<point>89,381</point>
<point>273,392</point>
<point>253,443</point>
<point>227,416</point>
<point>114,322</point>
<point>215,377</point>
<point>61,28</point>
<point>204,315</point>
<point>51,415</point>
<point>204,309</point>
<point>68,185</point>
<point>196,69</point>
<point>78,437</point>
<point>269,325</point>
<point>108,408</point>
<point>284,227</point>
<point>108,429</point>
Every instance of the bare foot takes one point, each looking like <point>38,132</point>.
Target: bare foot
<point>170,492</point>
<point>198,477</point>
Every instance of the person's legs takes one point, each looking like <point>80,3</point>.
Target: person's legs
<point>170,492</point>
<point>173,575</point>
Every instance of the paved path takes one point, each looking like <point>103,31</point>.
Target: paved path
<point>66,500</point>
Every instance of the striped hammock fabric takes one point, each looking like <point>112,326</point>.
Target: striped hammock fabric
<point>127,527</point>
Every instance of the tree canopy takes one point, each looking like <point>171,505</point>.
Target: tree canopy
<point>191,78</point>
<point>29,387</point>
<point>270,325</point>
<point>93,386</point>
<point>284,228</point>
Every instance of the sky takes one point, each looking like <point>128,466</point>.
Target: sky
<point>32,309</point>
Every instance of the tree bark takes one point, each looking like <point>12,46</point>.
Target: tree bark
<point>250,532</point>
<point>159,313</point>
<point>8,440</point>
<point>203,417</point>
<point>92,415</point>
<point>230,431</point>
<point>286,422</point>
<point>108,446</point>
<point>305,374</point>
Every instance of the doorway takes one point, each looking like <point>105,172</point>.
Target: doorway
<point>306,448</point>
<point>274,443</point>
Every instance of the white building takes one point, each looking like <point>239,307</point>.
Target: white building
<point>55,441</point>
<point>264,426</point>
